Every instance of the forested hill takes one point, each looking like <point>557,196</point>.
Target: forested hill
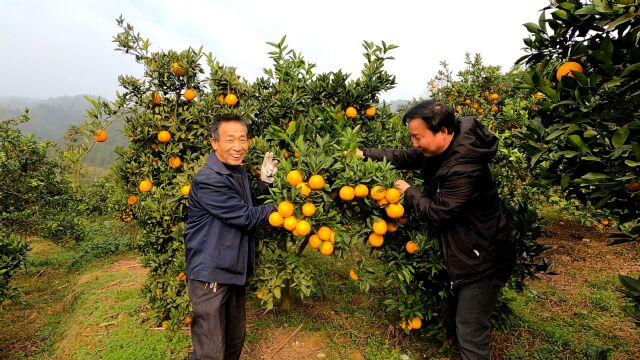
<point>50,119</point>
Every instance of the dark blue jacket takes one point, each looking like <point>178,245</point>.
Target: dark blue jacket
<point>220,246</point>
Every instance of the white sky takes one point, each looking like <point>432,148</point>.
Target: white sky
<point>64,47</point>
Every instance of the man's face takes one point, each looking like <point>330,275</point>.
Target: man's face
<point>425,140</point>
<point>232,144</point>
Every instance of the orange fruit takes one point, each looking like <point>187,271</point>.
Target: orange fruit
<point>468,101</point>
<point>458,108</point>
<point>375,240</point>
<point>538,95</point>
<point>285,208</point>
<point>145,186</point>
<point>371,111</point>
<point>187,320</point>
<point>316,182</point>
<point>604,222</point>
<point>182,276</point>
<point>332,237</point>
<point>566,68</point>
<point>308,209</point>
<point>378,192</point>
<point>314,241</point>
<point>495,96</point>
<point>132,200</point>
<point>395,211</point>
<point>304,189</point>
<point>379,227</point>
<point>324,233</point>
<point>481,111</point>
<point>189,94</point>
<point>164,136</point>
<point>154,147</point>
<point>353,275</point>
<point>392,196</point>
<point>475,105</point>
<point>561,223</point>
<point>392,227</point>
<point>275,219</point>
<point>157,99</point>
<point>165,325</point>
<point>185,189</point>
<point>231,99</point>
<point>382,202</point>
<point>347,193</point>
<point>326,248</point>
<point>361,191</point>
<point>177,69</point>
<point>221,99</point>
<point>290,223</point>
<point>303,228</point>
<point>416,323</point>
<point>261,293</point>
<point>100,136</point>
<point>296,155</point>
<point>294,177</point>
<point>411,247</point>
<point>285,154</point>
<point>351,112</point>
<point>175,162</point>
<point>434,85</point>
<point>494,109</point>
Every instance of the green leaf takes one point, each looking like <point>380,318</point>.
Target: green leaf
<point>619,21</point>
<point>594,176</point>
<point>532,27</point>
<point>632,163</point>
<point>589,134</point>
<point>602,6</point>
<point>587,10</point>
<point>560,15</point>
<point>620,136</point>
<point>630,68</point>
<point>576,141</point>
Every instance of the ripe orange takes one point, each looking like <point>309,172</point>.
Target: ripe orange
<point>100,136</point>
<point>495,96</point>
<point>392,196</point>
<point>294,177</point>
<point>566,68</point>
<point>378,192</point>
<point>185,189</point>
<point>231,99</point>
<point>316,182</point>
<point>411,247</point>
<point>361,191</point>
<point>494,109</point>
<point>416,323</point>
<point>308,209</point>
<point>221,99</point>
<point>182,276</point>
<point>175,162</point>
<point>351,112</point>
<point>165,325</point>
<point>481,111</point>
<point>434,85</point>
<point>347,193</point>
<point>177,69</point>
<point>382,202</point>
<point>353,275</point>
<point>371,111</point>
<point>324,233</point>
<point>285,209</point>
<point>303,228</point>
<point>395,211</point>
<point>275,219</point>
<point>164,136</point>
<point>189,94</point>
<point>290,223</point>
<point>261,293</point>
<point>468,101</point>
<point>458,108</point>
<point>326,248</point>
<point>304,189</point>
<point>145,186</point>
<point>157,99</point>
<point>379,227</point>
<point>332,237</point>
<point>132,200</point>
<point>285,154</point>
<point>314,241</point>
<point>187,320</point>
<point>392,227</point>
<point>375,240</point>
<point>538,95</point>
<point>475,105</point>
<point>296,155</point>
<point>561,223</point>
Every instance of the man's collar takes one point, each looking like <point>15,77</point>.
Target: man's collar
<point>217,165</point>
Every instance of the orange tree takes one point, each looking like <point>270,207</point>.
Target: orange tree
<point>583,56</point>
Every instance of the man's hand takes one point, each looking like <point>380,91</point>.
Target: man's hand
<point>401,186</point>
<point>269,168</point>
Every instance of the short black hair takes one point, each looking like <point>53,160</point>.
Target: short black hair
<point>215,125</point>
<point>435,115</point>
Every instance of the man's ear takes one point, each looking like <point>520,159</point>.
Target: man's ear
<point>444,131</point>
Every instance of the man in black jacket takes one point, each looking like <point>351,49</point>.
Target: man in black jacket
<point>460,201</point>
<point>219,240</point>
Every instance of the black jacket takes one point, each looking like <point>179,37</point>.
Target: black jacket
<point>219,239</point>
<point>460,201</point>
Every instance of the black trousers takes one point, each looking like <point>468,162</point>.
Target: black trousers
<point>218,326</point>
<point>469,313</point>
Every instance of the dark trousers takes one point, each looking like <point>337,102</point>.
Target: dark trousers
<point>219,319</point>
<point>469,311</point>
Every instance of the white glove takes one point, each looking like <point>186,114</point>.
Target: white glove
<point>269,168</point>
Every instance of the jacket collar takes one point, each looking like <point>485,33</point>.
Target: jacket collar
<point>217,165</point>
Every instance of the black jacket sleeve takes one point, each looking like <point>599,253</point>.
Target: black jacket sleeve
<point>455,192</point>
<point>403,159</point>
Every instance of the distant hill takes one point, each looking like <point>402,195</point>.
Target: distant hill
<point>51,118</point>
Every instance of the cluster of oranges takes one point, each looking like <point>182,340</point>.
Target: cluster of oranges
<point>491,97</point>
<point>413,324</point>
<point>351,112</point>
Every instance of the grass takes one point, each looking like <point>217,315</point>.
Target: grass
<point>84,302</point>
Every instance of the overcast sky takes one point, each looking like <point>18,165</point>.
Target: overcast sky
<point>55,48</point>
